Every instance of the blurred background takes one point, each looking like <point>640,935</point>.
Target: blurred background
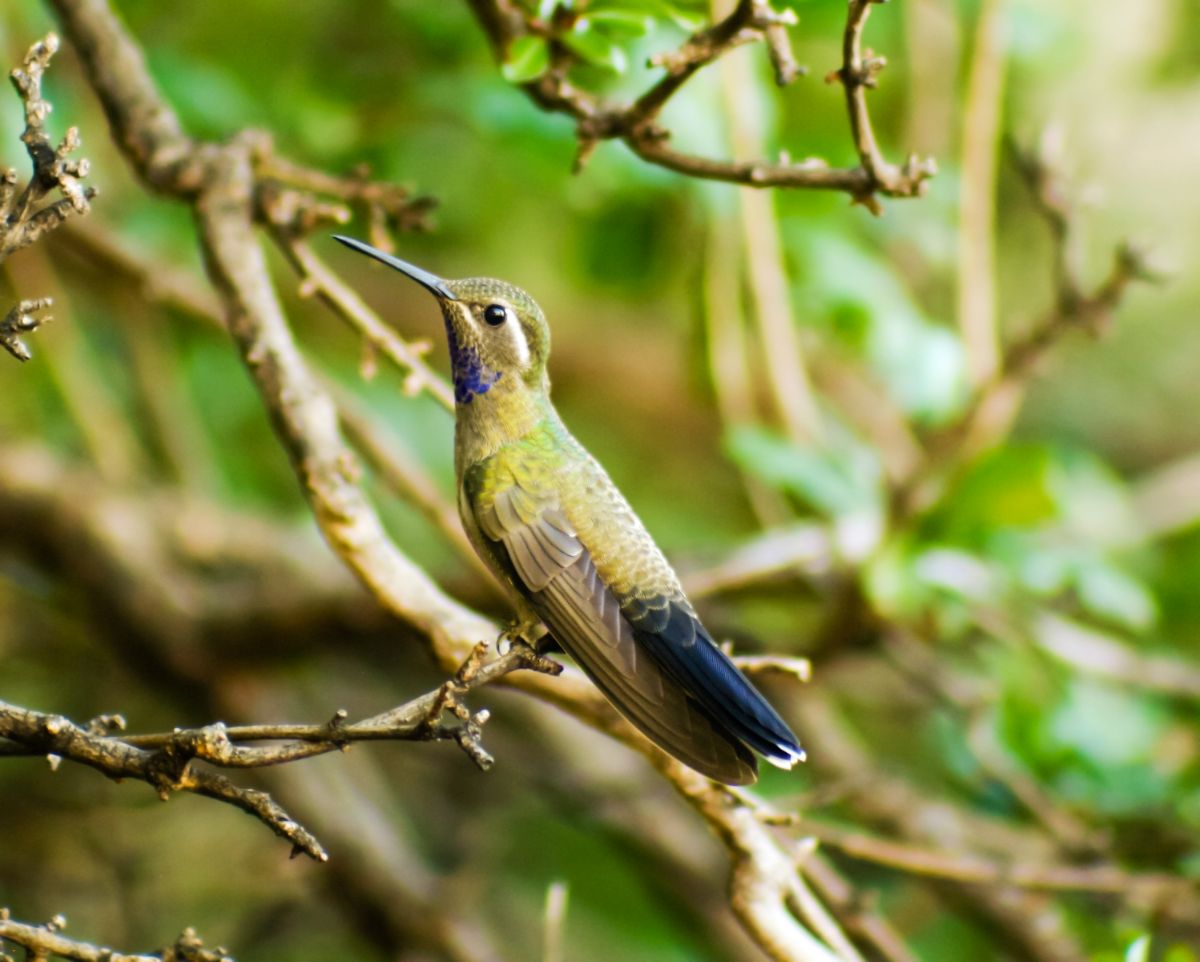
<point>1005,638</point>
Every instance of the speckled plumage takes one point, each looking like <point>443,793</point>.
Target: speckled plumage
<point>548,520</point>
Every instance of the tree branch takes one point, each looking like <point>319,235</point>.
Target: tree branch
<point>976,870</point>
<point>994,405</point>
<point>42,942</point>
<point>166,761</point>
<point>23,319</point>
<point>637,123</point>
<point>23,220</point>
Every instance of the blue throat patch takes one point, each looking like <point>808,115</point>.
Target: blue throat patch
<point>471,376</point>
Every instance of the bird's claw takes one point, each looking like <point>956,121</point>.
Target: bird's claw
<point>529,632</point>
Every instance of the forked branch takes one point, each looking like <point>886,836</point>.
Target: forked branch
<point>637,124</point>
<point>167,761</point>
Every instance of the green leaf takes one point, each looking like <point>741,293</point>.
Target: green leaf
<point>1009,489</point>
<point>528,58</point>
<point>868,303</point>
<point>595,46</point>
<point>684,14</point>
<point>1109,727</point>
<point>627,24</point>
<point>1111,593</point>
<point>842,478</point>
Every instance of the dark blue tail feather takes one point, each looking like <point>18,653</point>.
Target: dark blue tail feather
<point>686,652</point>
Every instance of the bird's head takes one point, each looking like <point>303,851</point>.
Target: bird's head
<point>499,338</point>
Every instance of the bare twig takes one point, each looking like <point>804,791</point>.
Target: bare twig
<point>22,319</point>
<point>637,123</point>
<point>807,550</point>
<point>318,279</point>
<point>384,206</point>
<point>976,278</point>
<point>22,218</point>
<point>765,269</point>
<point>1098,653</point>
<point>994,404</point>
<point>43,942</point>
<point>1022,921</point>
<point>23,221</point>
<point>860,72</point>
<point>975,870</point>
<point>166,761</point>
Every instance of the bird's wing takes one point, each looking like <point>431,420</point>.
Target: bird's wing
<point>532,538</point>
<point>641,643</point>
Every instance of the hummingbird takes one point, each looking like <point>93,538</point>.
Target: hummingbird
<point>547,520</point>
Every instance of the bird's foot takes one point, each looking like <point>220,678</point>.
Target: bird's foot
<point>532,633</point>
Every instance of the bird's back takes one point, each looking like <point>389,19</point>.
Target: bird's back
<point>549,520</point>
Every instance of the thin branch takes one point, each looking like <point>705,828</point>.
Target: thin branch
<point>1023,923</point>
<point>636,124</point>
<point>764,267</point>
<point>1098,653</point>
<point>42,942</point>
<point>807,550</point>
<point>166,761</point>
<point>858,74</point>
<point>23,219</point>
<point>976,276</point>
<point>994,404</point>
<point>23,222</point>
<point>976,870</point>
<point>385,207</point>
<point>727,343</point>
<point>23,319</point>
<point>318,279</point>
<point>402,472</point>
<point>856,910</point>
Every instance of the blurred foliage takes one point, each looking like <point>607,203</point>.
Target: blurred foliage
<point>1050,522</point>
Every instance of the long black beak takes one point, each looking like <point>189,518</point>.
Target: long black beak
<point>431,282</point>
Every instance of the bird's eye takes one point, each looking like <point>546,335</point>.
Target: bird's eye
<point>495,314</point>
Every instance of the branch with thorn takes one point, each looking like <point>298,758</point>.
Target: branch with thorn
<point>24,218</point>
<point>636,124</point>
<point>167,761</point>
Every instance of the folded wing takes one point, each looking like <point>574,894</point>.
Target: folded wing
<point>649,655</point>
